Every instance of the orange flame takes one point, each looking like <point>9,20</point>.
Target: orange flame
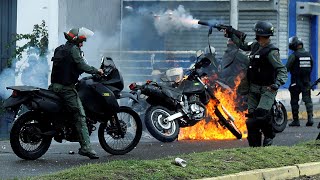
<point>209,128</point>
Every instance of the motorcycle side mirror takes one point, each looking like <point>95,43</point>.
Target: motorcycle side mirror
<point>102,62</point>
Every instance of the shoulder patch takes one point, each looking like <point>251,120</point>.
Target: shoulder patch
<point>276,53</point>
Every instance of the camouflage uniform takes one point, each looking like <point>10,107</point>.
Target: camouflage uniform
<point>69,94</point>
<point>260,97</point>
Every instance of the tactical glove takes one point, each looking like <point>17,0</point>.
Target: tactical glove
<point>230,30</point>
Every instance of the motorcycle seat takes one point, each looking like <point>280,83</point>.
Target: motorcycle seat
<point>49,94</point>
<point>175,93</point>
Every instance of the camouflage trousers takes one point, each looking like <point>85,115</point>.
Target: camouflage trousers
<point>260,101</point>
<point>74,105</point>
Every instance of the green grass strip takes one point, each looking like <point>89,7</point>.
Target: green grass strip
<point>199,165</point>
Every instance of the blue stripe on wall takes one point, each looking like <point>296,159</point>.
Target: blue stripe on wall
<point>314,46</point>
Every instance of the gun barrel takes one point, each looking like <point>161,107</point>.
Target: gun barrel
<point>205,23</point>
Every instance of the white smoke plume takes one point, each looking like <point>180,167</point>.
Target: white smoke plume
<point>178,19</point>
<point>7,78</point>
<point>30,70</point>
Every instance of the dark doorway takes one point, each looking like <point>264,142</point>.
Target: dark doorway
<point>8,28</point>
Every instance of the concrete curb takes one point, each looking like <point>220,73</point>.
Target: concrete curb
<point>286,172</point>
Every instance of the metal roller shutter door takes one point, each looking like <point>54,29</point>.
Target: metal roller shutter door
<point>303,30</point>
<point>247,19</point>
<point>283,29</point>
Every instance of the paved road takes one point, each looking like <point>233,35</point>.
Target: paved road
<point>58,157</point>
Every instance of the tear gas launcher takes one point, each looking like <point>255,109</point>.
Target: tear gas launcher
<point>227,28</point>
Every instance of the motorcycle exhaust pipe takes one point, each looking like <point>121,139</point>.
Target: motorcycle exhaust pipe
<point>174,116</point>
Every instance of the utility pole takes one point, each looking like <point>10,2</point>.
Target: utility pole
<point>234,13</point>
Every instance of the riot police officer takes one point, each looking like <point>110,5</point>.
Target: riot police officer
<point>299,65</point>
<point>265,75</point>
<point>68,64</point>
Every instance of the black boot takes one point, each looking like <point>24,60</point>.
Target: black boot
<point>254,141</point>
<point>295,122</point>
<point>267,141</point>
<point>310,120</point>
<point>295,117</point>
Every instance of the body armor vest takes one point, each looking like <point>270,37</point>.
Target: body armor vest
<point>261,71</point>
<point>64,69</point>
<point>302,67</point>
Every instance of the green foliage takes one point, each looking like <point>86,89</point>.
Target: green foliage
<point>37,39</point>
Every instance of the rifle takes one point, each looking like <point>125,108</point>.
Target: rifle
<point>314,84</point>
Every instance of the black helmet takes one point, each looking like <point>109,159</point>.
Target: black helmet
<point>263,28</point>
<point>78,35</point>
<point>294,42</point>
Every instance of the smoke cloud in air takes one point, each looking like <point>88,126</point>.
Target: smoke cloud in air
<point>31,70</point>
<point>178,19</point>
<point>7,78</point>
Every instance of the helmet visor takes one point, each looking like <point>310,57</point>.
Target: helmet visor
<point>84,33</point>
<point>291,39</point>
<point>294,39</point>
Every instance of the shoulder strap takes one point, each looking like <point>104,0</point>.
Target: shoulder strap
<point>266,50</point>
<point>255,48</point>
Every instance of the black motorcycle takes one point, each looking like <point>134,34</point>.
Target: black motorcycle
<point>120,127</point>
<point>174,107</point>
<point>184,104</point>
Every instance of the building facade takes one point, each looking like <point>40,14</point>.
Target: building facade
<point>113,19</point>
<point>8,26</point>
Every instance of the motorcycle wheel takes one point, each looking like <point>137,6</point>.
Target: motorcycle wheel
<point>162,131</point>
<point>279,118</point>
<point>229,124</point>
<point>25,138</point>
<point>114,143</point>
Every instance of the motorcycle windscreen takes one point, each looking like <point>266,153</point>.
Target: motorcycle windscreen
<point>98,99</point>
<point>115,80</point>
<point>191,87</point>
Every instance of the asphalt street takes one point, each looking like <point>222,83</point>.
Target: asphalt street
<point>58,157</point>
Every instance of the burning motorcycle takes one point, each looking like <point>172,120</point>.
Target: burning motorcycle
<point>278,110</point>
<point>120,127</point>
<point>182,106</point>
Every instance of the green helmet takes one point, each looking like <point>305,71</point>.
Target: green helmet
<point>294,42</point>
<point>263,28</point>
<point>78,35</point>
